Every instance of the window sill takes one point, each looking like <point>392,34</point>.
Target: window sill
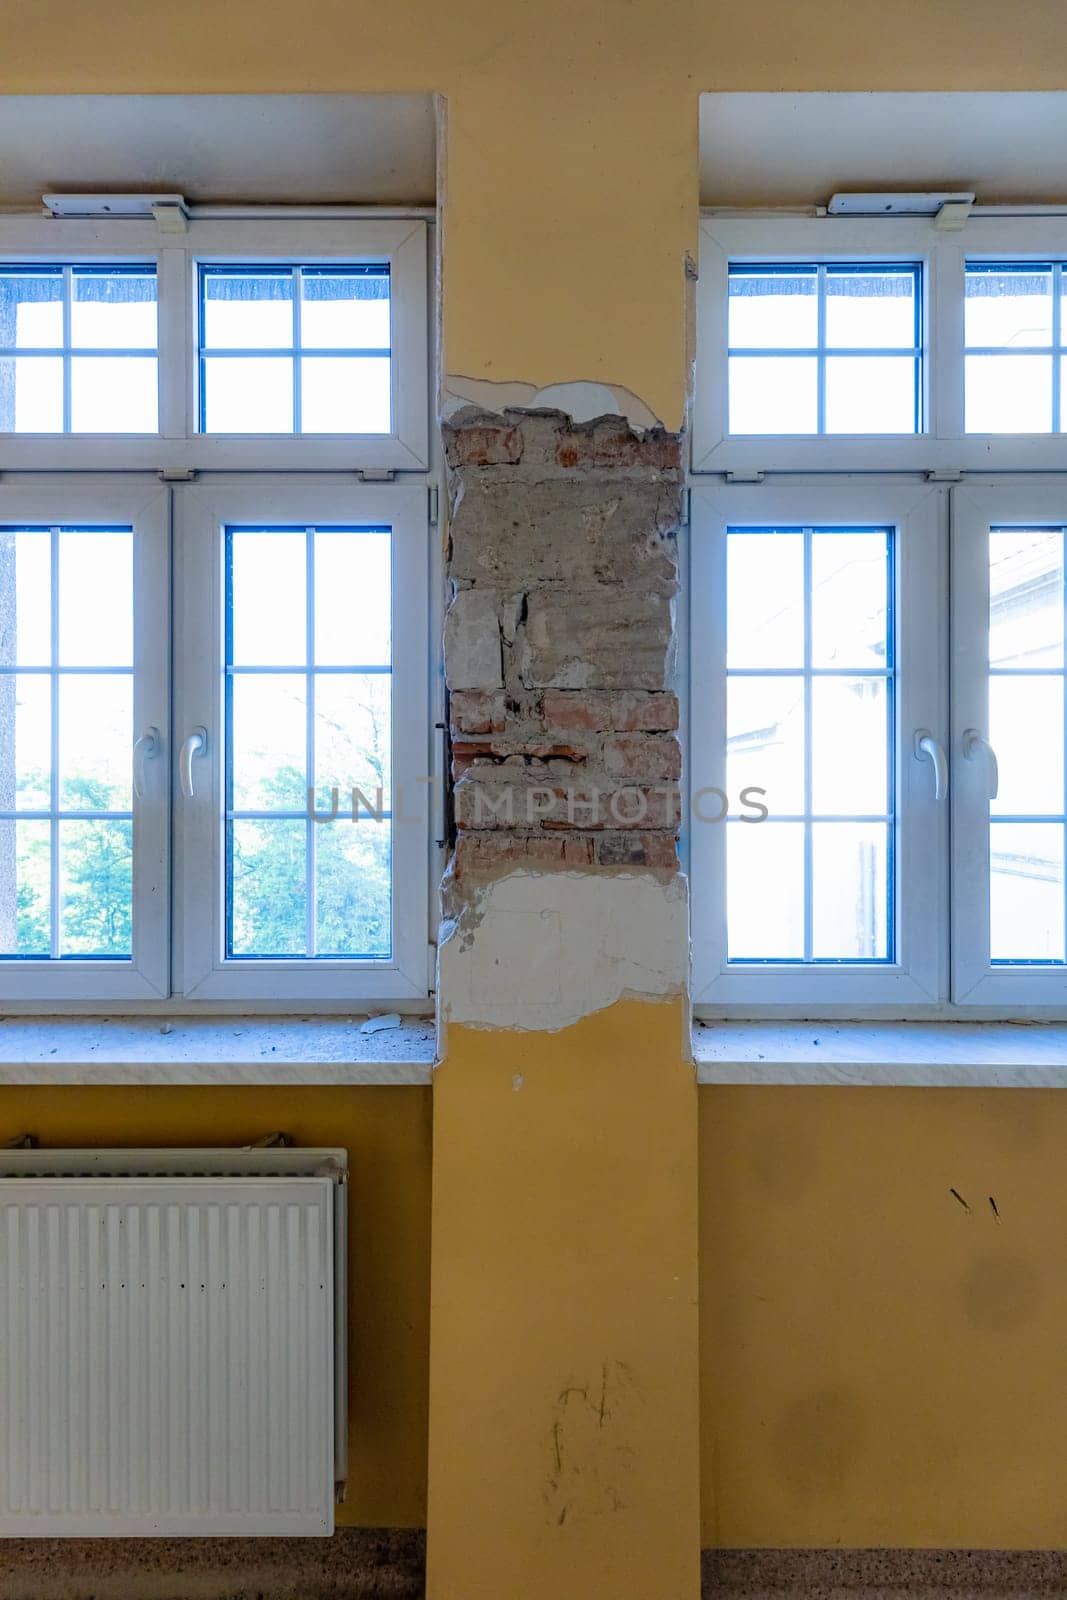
<point>977,1055</point>
<point>213,1050</point>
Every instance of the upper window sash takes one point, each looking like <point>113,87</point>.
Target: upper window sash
<point>943,445</point>
<point>180,445</point>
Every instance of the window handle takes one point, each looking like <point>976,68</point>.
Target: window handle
<point>927,748</point>
<point>195,745</point>
<point>974,746</point>
<point>145,749</point>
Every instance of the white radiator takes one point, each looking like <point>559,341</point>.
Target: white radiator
<point>171,1342</point>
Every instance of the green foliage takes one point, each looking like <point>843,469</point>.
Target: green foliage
<point>268,865</point>
<point>96,878</point>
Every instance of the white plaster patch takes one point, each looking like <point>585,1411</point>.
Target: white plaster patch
<point>581,399</point>
<point>537,951</point>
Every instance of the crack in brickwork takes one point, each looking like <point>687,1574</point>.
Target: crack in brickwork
<point>559,641</point>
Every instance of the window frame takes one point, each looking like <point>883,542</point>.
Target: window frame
<point>975,508</point>
<point>143,506</point>
<point>178,446</point>
<point>943,446</point>
<point>203,513</point>
<point>919,974</point>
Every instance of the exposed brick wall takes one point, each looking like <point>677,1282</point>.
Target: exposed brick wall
<point>559,641</point>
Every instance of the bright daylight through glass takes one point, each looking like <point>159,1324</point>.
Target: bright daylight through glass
<point>1027,711</point>
<point>1014,361</point>
<point>308,670</point>
<point>78,349</point>
<point>810,679</point>
<point>295,350</point>
<point>66,710</point>
<point>824,349</point>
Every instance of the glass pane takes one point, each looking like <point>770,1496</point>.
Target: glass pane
<point>1026,891</point>
<point>765,599</point>
<point>25,597</point>
<point>773,310</point>
<point>1026,731</point>
<point>1008,394</point>
<point>345,395</point>
<point>96,888</point>
<point>353,883</point>
<point>112,310</point>
<point>850,897</point>
<point>1008,306</point>
<point>773,394</point>
<point>31,308</point>
<point>870,310</point>
<point>871,394</point>
<point>268,597</point>
<point>268,895</point>
<point>849,593</point>
<point>269,742</point>
<point>25,742</point>
<point>96,598</point>
<point>849,746</point>
<point>25,889</point>
<point>248,394</point>
<point>352,737</point>
<point>1026,597</point>
<point>248,310</point>
<point>95,742</point>
<point>765,890</point>
<point>353,624</point>
<point>344,310</point>
<point>765,741</point>
<point>114,394</point>
<point>31,394</point>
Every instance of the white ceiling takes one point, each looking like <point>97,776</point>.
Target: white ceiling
<point>797,149</point>
<point>298,148</point>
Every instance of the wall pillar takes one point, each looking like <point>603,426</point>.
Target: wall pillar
<point>563,1388</point>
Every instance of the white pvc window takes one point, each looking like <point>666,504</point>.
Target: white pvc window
<point>307,755</point>
<point>78,349</point>
<point>814,829</point>
<point>83,720</point>
<point>865,344</point>
<point>1009,724</point>
<point>825,349</point>
<point>240,344</point>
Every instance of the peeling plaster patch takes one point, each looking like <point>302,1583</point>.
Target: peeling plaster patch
<point>537,951</point>
<point>582,399</point>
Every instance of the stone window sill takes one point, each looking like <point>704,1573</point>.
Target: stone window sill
<point>985,1055</point>
<point>213,1050</point>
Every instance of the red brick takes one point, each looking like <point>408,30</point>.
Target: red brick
<point>482,444</point>
<point>477,711</point>
<point>656,850</point>
<point>612,443</point>
<point>643,757</point>
<point>606,710</point>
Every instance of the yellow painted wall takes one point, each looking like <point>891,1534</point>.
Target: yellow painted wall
<point>564,1451</point>
<point>571,179</point>
<point>386,1132</point>
<point>879,1365</point>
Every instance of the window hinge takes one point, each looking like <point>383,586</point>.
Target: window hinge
<point>435,506</point>
<point>177,474</point>
<point>743,477</point>
<point>944,475</point>
<point>376,474</point>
